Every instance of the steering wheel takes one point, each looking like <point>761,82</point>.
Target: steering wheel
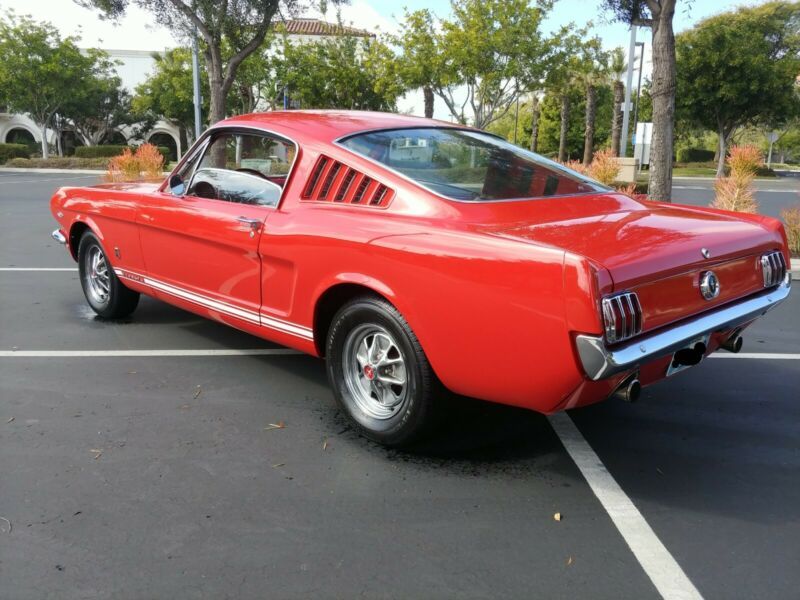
<point>252,172</point>
<point>203,189</point>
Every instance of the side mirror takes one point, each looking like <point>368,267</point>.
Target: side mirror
<point>176,185</point>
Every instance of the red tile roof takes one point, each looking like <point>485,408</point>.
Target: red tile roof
<point>318,27</point>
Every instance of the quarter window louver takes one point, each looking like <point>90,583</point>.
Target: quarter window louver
<point>334,181</point>
<point>361,189</point>
<point>345,186</point>
<point>315,175</point>
<point>379,195</point>
<point>326,186</point>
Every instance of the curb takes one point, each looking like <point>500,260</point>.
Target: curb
<point>795,273</point>
<point>34,170</point>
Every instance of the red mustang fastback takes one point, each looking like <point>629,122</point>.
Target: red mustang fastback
<point>421,257</point>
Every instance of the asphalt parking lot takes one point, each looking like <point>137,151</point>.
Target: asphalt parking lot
<point>160,475</point>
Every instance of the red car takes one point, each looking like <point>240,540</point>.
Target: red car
<point>421,257</point>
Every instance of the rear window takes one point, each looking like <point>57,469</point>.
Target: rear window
<point>469,165</point>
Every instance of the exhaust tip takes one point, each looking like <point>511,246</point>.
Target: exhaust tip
<point>629,390</point>
<point>733,343</point>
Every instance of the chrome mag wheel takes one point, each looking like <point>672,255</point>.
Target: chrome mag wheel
<point>96,275</point>
<point>374,371</point>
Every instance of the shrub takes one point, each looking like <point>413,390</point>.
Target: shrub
<point>106,151</point>
<point>745,160</point>
<point>576,165</point>
<point>56,162</point>
<point>604,167</point>
<point>687,155</point>
<point>791,221</point>
<point>111,150</point>
<point>734,193</point>
<point>9,151</point>
<point>147,162</point>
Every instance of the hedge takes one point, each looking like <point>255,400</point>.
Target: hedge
<point>56,162</point>
<point>109,150</point>
<point>9,151</point>
<point>687,155</point>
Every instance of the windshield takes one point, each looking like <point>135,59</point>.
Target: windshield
<point>469,165</point>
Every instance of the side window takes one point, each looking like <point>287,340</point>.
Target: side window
<point>244,168</point>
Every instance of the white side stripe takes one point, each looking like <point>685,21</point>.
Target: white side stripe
<point>144,353</point>
<point>662,569</point>
<point>223,307</point>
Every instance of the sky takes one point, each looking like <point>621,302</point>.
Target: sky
<point>137,31</point>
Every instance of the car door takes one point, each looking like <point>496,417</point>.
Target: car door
<point>200,247</point>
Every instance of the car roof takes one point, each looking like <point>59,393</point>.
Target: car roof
<point>328,125</point>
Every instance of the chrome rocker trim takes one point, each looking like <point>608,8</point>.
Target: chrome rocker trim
<point>58,236</point>
<point>600,362</point>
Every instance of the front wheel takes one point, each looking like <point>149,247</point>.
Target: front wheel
<point>104,292</point>
<point>379,374</point>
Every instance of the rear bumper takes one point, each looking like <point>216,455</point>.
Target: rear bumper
<point>600,362</point>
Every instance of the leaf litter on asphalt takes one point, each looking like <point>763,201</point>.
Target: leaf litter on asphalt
<point>278,425</point>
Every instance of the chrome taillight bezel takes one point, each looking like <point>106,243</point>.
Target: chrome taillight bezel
<point>622,316</point>
<point>773,268</point>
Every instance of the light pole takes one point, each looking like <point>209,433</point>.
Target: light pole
<point>196,85</point>
<point>638,89</point>
<point>626,113</point>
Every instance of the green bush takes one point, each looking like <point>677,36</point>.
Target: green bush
<point>66,162</point>
<point>688,155</point>
<point>106,151</point>
<point>109,150</point>
<point>9,151</point>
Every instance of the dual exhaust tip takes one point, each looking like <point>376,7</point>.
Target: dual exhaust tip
<point>631,388</point>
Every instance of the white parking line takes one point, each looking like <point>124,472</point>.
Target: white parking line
<point>142,353</point>
<point>71,269</point>
<point>662,569</point>
<point>761,355</point>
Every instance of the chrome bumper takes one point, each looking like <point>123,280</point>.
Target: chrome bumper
<point>58,236</point>
<point>600,362</point>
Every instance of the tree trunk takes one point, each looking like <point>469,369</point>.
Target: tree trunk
<point>588,136</point>
<point>534,122</point>
<point>721,151</point>
<point>216,92</point>
<point>45,149</point>
<point>427,93</point>
<point>663,95</point>
<point>616,117</point>
<point>562,141</point>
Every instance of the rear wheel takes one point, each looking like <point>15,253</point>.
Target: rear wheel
<point>379,374</point>
<point>104,292</point>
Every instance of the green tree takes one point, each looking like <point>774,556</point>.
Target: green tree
<point>490,54</point>
<point>99,105</point>
<point>740,68</point>
<point>238,25</point>
<point>344,72</point>
<point>617,68</point>
<point>658,15</point>
<point>39,70</point>
<point>595,74</point>
<point>421,58</point>
<point>550,123</point>
<point>167,92</point>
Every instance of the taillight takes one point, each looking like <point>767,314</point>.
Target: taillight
<point>773,267</point>
<point>622,316</point>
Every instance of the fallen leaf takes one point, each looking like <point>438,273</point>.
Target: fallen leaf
<point>557,516</point>
<point>11,419</point>
<point>276,465</point>
<point>278,425</point>
<point>325,445</point>
<point>97,453</point>
<point>197,392</point>
<point>569,561</point>
<point>185,406</point>
<point>132,372</point>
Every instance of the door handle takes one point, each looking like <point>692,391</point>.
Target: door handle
<point>254,224</point>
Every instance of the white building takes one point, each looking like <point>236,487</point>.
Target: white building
<point>134,68</point>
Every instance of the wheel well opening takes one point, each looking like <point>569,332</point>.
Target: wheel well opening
<point>329,304</point>
<point>75,234</point>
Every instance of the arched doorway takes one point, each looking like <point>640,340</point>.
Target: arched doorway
<point>115,138</point>
<point>20,135</point>
<point>164,139</point>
